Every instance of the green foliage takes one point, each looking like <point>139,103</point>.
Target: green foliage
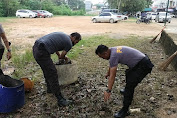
<point>24,59</point>
<point>62,10</point>
<point>1,9</point>
<point>8,7</point>
<point>5,19</point>
<point>130,6</point>
<point>76,4</point>
<point>57,7</point>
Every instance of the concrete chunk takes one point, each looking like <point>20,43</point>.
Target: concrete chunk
<point>67,73</point>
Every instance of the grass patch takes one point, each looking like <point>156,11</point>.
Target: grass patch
<point>5,19</point>
<point>26,66</point>
<point>94,41</point>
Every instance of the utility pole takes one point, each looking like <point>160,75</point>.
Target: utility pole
<point>166,14</point>
<point>118,3</point>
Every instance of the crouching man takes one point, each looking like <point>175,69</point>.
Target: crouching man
<point>42,50</point>
<point>139,66</point>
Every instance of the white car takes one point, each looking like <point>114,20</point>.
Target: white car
<point>106,17</point>
<point>160,17</point>
<point>123,17</point>
<point>23,13</point>
<point>172,15</point>
<point>46,13</point>
<point>151,15</point>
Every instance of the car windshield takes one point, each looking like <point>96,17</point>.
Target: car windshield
<point>114,13</point>
<point>163,14</point>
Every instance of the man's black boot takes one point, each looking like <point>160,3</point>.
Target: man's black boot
<point>1,73</point>
<point>62,102</point>
<point>122,91</point>
<point>122,113</point>
<point>48,90</point>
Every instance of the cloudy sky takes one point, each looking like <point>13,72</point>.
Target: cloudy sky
<point>95,1</point>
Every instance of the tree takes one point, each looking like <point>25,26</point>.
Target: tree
<point>9,7</point>
<point>60,7</point>
<point>130,6</point>
<point>58,2</point>
<point>76,4</point>
<point>148,3</point>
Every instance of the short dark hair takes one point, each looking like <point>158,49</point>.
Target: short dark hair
<point>77,35</point>
<point>100,49</point>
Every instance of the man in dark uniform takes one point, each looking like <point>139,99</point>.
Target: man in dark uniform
<point>139,66</point>
<point>7,45</point>
<point>42,50</point>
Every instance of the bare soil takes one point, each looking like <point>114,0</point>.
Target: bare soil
<point>156,96</point>
<point>25,31</point>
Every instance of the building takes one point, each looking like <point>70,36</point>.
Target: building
<point>88,5</point>
<point>161,5</point>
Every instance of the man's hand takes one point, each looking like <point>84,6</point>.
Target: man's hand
<point>67,60</point>
<point>106,76</point>
<point>106,96</point>
<point>9,55</point>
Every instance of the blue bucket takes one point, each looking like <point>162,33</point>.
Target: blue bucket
<point>12,94</point>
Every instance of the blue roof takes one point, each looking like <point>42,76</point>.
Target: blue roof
<point>147,9</point>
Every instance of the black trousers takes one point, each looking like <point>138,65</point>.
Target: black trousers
<point>134,76</point>
<point>1,54</point>
<point>43,58</point>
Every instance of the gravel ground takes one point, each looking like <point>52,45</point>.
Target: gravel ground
<point>155,96</point>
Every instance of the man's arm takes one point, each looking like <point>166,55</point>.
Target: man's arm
<point>111,80</point>
<point>63,56</point>
<point>6,42</point>
<point>58,55</point>
<point>112,76</point>
<point>108,73</point>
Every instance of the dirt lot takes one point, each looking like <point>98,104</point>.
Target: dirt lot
<point>25,31</point>
<point>155,96</point>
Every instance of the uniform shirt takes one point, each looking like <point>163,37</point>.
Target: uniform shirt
<point>125,55</point>
<point>1,31</point>
<point>56,41</point>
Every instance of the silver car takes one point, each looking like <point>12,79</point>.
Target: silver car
<point>107,17</point>
<point>160,17</point>
<point>22,13</point>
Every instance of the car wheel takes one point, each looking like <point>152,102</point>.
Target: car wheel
<point>125,18</point>
<point>30,16</point>
<point>148,21</point>
<point>48,16</point>
<point>111,20</point>
<point>94,20</point>
<point>138,21</point>
<point>18,16</point>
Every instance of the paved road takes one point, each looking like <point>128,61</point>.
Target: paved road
<point>171,27</point>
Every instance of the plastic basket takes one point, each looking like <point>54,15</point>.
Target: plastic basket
<point>12,94</point>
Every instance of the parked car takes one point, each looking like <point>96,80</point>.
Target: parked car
<point>110,10</point>
<point>151,15</point>
<point>172,15</point>
<point>46,13</point>
<point>123,17</point>
<point>24,13</point>
<point>161,16</point>
<point>106,17</point>
<point>39,15</point>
